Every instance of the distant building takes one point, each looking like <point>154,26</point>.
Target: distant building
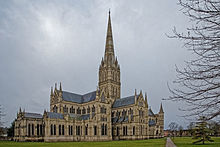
<point>100,115</point>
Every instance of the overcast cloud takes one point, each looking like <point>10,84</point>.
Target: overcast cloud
<point>43,42</point>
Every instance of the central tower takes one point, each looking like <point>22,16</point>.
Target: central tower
<point>109,70</point>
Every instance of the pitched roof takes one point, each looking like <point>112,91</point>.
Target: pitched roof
<point>55,115</point>
<point>124,101</point>
<point>73,97</point>
<point>150,112</point>
<point>32,115</point>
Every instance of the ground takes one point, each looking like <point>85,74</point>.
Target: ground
<point>140,143</point>
<point>187,142</point>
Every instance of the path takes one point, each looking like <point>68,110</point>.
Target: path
<point>170,143</point>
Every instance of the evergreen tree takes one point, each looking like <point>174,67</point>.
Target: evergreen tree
<point>201,131</point>
<point>10,131</point>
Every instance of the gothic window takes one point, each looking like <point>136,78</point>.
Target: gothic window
<point>124,113</point>
<point>132,116</point>
<point>78,111</point>
<point>113,114</point>
<point>32,129</point>
<point>41,130</point>
<point>106,129</point>
<point>86,130</point>
<point>63,131</point>
<point>102,130</point>
<point>117,114</point>
<point>54,129</point>
<point>103,98</point>
<point>29,130</point>
<point>103,110</point>
<point>117,131</point>
<point>59,129</point>
<point>71,130</point>
<point>124,131</point>
<point>65,109</point>
<point>77,130</point>
<point>55,109</point>
<point>74,110</point>
<point>93,109</point>
<point>71,109</point>
<point>88,110</point>
<point>95,130</point>
<point>38,130</point>
<point>51,129</point>
<point>83,111</point>
<point>133,130</point>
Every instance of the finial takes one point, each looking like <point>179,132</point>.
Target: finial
<point>20,110</point>
<point>135,92</point>
<point>51,92</point>
<point>60,87</point>
<point>161,108</point>
<point>109,11</point>
<point>55,86</point>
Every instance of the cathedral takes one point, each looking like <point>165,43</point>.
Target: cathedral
<point>100,115</point>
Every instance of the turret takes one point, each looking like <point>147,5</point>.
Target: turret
<point>161,108</point>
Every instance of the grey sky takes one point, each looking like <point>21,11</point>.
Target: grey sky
<point>43,42</point>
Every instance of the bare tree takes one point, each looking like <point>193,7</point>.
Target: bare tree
<point>198,84</point>
<point>173,127</point>
<point>1,121</point>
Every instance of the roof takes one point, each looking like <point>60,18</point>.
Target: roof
<point>124,102</point>
<point>150,112</point>
<point>151,123</point>
<point>77,98</point>
<point>120,119</point>
<point>80,117</point>
<point>32,115</point>
<point>55,115</point>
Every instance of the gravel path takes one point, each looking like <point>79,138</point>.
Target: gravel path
<point>170,143</point>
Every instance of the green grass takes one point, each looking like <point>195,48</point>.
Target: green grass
<point>187,142</point>
<point>130,143</point>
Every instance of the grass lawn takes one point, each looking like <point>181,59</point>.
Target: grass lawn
<point>130,143</point>
<point>187,142</point>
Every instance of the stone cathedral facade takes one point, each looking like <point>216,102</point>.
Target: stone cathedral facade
<point>100,115</point>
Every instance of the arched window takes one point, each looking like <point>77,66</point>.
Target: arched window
<point>59,129</point>
<point>117,131</point>
<point>29,130</point>
<point>133,130</point>
<point>51,129</point>
<point>102,129</point>
<point>63,131</point>
<point>93,109</point>
<point>83,111</point>
<point>32,129</point>
<point>38,130</point>
<point>78,111</point>
<point>88,110</point>
<point>86,129</point>
<point>55,109</point>
<point>54,129</point>
<point>106,129</point>
<point>103,110</point>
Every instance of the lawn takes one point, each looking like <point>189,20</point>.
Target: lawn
<point>187,142</point>
<point>134,143</point>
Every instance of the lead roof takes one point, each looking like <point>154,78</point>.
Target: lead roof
<point>77,98</point>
